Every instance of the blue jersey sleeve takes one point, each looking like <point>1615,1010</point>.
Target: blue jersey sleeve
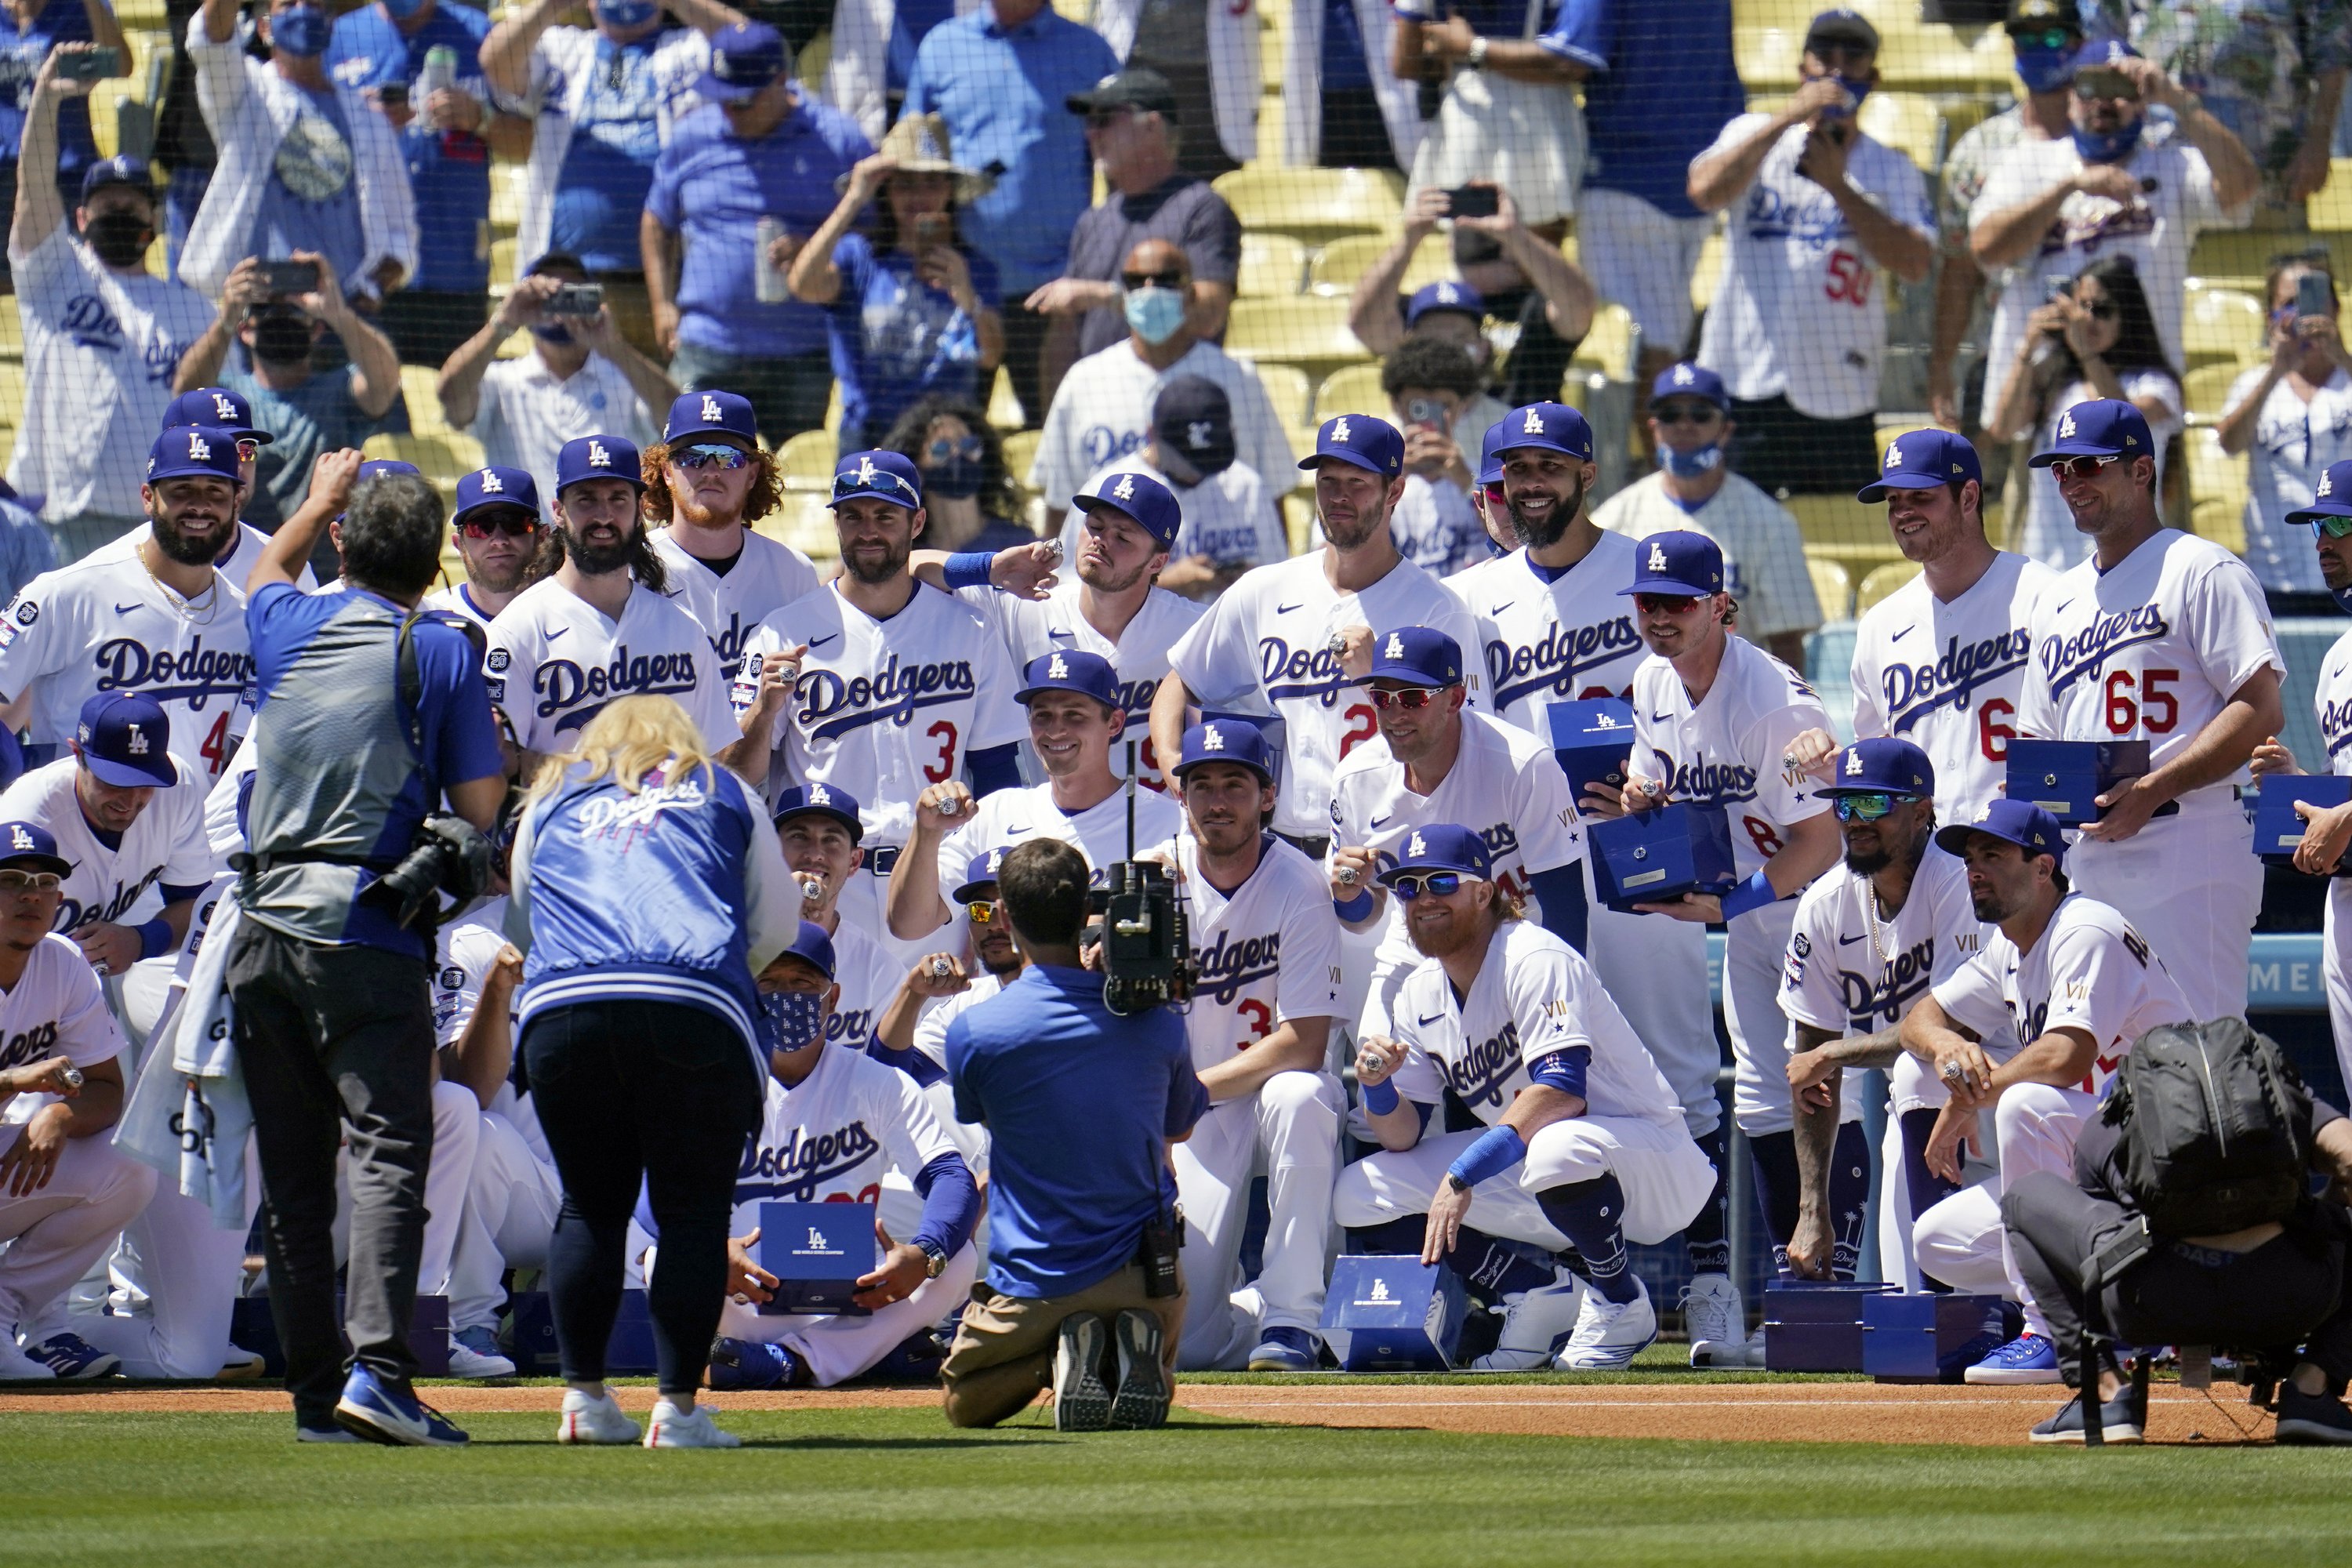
<point>457,705</point>
<point>280,620</point>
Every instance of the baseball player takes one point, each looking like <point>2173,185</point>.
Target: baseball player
<point>64,1191</point>
<point>1074,718</point>
<point>225,410</point>
<point>1292,638</point>
<point>1487,500</point>
<point>2162,637</point>
<point>709,480</point>
<point>938,989</point>
<point>497,530</point>
<point>597,627</point>
<point>836,1120</point>
<point>165,622</point>
<point>1232,521</point>
<point>819,828</point>
<point>877,683</point>
<point>1267,947</point>
<point>1584,1146</point>
<point>2080,985</point>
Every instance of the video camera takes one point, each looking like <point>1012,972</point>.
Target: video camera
<point>1146,952</point>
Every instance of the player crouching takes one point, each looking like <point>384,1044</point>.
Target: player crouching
<point>1579,1119</point>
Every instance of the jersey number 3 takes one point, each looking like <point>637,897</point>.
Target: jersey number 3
<point>1261,1022</point>
<point>944,769</point>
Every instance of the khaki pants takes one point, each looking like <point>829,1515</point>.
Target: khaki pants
<point>1004,1348</point>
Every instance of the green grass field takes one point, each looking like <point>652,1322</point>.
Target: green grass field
<point>883,1487</point>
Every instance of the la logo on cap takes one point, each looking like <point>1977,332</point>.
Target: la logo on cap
<point>2066,425</point>
<point>1533,425</point>
<point>199,448</point>
<point>598,458</point>
<point>1057,670</point>
<point>492,484</point>
<point>710,408</point>
<point>1853,761</point>
<point>1126,491</point>
<point>1683,376</point>
<point>1657,556</point>
<point>1894,455</point>
<point>1213,739</point>
<point>1448,294</point>
<point>2326,482</point>
<point>1196,433</point>
<point>1396,645</point>
<point>817,795</point>
<point>137,744</point>
<point>223,407</point>
<point>19,839</point>
<point>1984,813</point>
<point>1340,430</point>
<point>1416,846</point>
<point>864,470</point>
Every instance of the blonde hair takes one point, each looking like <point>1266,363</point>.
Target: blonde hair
<point>628,738</point>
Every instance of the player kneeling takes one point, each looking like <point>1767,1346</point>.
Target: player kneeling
<point>1584,1147</point>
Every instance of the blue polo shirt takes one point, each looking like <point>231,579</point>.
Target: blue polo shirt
<point>897,340</point>
<point>1077,1105</point>
<point>1002,93</point>
<point>1663,86</point>
<point>22,50</point>
<point>450,171</point>
<point>716,187</point>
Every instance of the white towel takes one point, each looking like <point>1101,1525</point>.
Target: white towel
<point>188,1115</point>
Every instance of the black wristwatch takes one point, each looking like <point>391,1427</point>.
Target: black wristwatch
<point>1455,1183</point>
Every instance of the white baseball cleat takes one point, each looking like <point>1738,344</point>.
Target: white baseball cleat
<point>15,1366</point>
<point>1535,1322</point>
<point>1609,1335</point>
<point>597,1420</point>
<point>1715,1319</point>
<point>673,1428</point>
<point>474,1352</point>
<point>240,1365</point>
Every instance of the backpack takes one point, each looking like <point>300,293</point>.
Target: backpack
<point>2214,1127</point>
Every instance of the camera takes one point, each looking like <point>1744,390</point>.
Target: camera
<point>576,299</point>
<point>448,856</point>
<point>1146,949</point>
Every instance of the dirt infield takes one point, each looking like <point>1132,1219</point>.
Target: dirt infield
<point>1794,1412</point>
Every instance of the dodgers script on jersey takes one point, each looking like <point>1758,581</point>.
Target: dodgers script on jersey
<point>831,1138</point>
<point>55,1009</point>
<point>2089,971</point>
<point>2151,649</point>
<point>884,709</point>
<point>1727,751</point>
<point>1264,647</point>
<point>108,626</point>
<point>1011,817</point>
<point>2333,700</point>
<point>869,978</point>
<point>554,661</point>
<point>164,845</point>
<point>1547,637</point>
<point>1535,996</point>
<point>1268,951</point>
<point>1949,677</point>
<point>766,577</point>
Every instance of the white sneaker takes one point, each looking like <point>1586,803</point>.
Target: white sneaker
<point>1756,1349</point>
<point>242,1365</point>
<point>1535,1322</point>
<point>600,1420</point>
<point>474,1352</point>
<point>1609,1334</point>
<point>15,1366</point>
<point>673,1428</point>
<point>1715,1319</point>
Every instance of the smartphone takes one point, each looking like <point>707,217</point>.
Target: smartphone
<point>392,95</point>
<point>576,299</point>
<point>1473,201</point>
<point>2056,286</point>
<point>1426,412</point>
<point>90,64</point>
<point>290,277</point>
<point>2312,295</point>
<point>932,228</point>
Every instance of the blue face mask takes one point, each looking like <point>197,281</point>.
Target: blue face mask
<point>1859,90</point>
<point>798,1016</point>
<point>625,14</point>
<point>1690,465</point>
<point>2042,71</point>
<point>301,32</point>
<point>559,336</point>
<point>2108,146</point>
<point>1155,312</point>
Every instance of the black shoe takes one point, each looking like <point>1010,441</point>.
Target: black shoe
<point>2123,1419</point>
<point>2311,1418</point>
<point>1143,1393</point>
<point>1082,1400</point>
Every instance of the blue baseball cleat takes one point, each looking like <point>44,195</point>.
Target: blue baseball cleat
<point>369,1409</point>
<point>1285,1349</point>
<point>73,1358</point>
<point>746,1364</point>
<point>2028,1358</point>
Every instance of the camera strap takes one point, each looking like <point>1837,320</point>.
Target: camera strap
<point>408,679</point>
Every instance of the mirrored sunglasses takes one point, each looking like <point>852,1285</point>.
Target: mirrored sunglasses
<point>981,911</point>
<point>513,521</point>
<point>1865,807</point>
<point>2334,527</point>
<point>2081,468</point>
<point>710,454</point>
<point>1411,886</point>
<point>1410,697</point>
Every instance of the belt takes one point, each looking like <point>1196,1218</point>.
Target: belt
<point>880,860</point>
<point>1313,848</point>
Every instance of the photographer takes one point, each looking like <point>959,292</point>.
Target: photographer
<point>1080,1107</point>
<point>375,717</point>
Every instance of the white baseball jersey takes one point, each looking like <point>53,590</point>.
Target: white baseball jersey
<point>932,1024</point>
<point>832,1139</point>
<point>1102,413</point>
<point>884,708</point>
<point>1854,972</point>
<point>1796,308</point>
<point>1264,648</point>
<point>2295,443</point>
<point>2151,649</point>
<point>242,558</point>
<point>1763,554</point>
<point>766,577</point>
<point>1546,638</point>
<point>1267,953</point>
<point>1229,517</point>
<point>1947,677</point>
<point>2334,701</point>
<point>55,1009</point>
<point>164,845</point>
<point>554,661</point>
<point>1014,816</point>
<point>468,948</point>
<point>869,979</point>
<point>1534,997</point>
<point>1725,751</point>
<point>2089,971</point>
<point>108,626</point>
<point>459,601</point>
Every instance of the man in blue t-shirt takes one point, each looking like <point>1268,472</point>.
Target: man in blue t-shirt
<point>1080,1106</point>
<point>760,150</point>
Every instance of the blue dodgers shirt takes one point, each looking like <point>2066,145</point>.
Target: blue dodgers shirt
<point>897,340</point>
<point>717,186</point>
<point>22,50</point>
<point>1078,1105</point>
<point>450,171</point>
<point>1662,87</point>
<point>311,199</point>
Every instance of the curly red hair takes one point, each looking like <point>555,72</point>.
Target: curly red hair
<point>766,494</point>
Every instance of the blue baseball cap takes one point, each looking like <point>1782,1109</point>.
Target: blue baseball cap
<point>980,874</point>
<point>1450,295</point>
<point>382,468</point>
<point>1418,656</point>
<point>744,59</point>
<point>126,741</point>
<point>1088,674</point>
<point>192,451</point>
<point>2332,497</point>
<point>882,476</point>
<point>1547,426</point>
<point>2102,427</point>
<point>1441,846</point>
<point>598,458</point>
<point>30,844</point>
<point>1882,765</point>
<point>1841,25</point>
<point>820,800</point>
<point>120,170</point>
<point>1151,503</point>
<point>1490,461</point>
<point>1226,741</point>
<point>1923,460</point>
<point>2018,822</point>
<point>219,407</point>
<point>1683,561</point>
<point>811,943</point>
<point>711,413</point>
<point>495,486</point>
<point>1688,380</point>
<point>1361,439</point>
<point>2098,53</point>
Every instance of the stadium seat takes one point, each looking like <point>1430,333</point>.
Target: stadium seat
<point>1883,581</point>
<point>1828,665</point>
<point>1340,265</point>
<point>105,100</point>
<point>1832,585</point>
<point>804,522</point>
<point>442,457</point>
<point>2217,490</point>
<point>504,264</point>
<point>1298,518</point>
<point>1309,331</point>
<point>2330,212</point>
<point>1004,407</point>
<point>12,334</point>
<point>805,461</point>
<point>1315,205</point>
<point>2223,324</point>
<point>1291,392</point>
<point>420,385</point>
<point>1843,530</point>
<point>1708,274</point>
<point>1611,345</point>
<point>1019,452</point>
<point>1909,123</point>
<point>1273,266</point>
<point>144,15</point>
<point>506,197</point>
<point>1354,390</point>
<point>2206,390</point>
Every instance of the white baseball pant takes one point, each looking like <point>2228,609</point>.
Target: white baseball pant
<point>1676,1022</point>
<point>68,1224</point>
<point>508,1218</point>
<point>2190,885</point>
<point>1961,1240</point>
<point>1753,954</point>
<point>189,1270</point>
<point>2335,969</point>
<point>836,1348</point>
<point>1290,1129</point>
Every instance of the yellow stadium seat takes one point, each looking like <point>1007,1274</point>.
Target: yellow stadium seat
<point>1338,267</point>
<point>804,522</point>
<point>1910,123</point>
<point>1019,452</point>
<point>1832,585</point>
<point>1839,527</point>
<point>2222,324</point>
<point>815,57</point>
<point>442,456</point>
<point>144,15</point>
<point>2207,389</point>
<point>420,385</point>
<point>1354,390</point>
<point>1609,345</point>
<point>1273,265</point>
<point>1883,581</point>
<point>2330,212</point>
<point>1298,518</point>
<point>506,197</point>
<point>1004,407</point>
<point>1307,330</point>
<point>806,461</point>
<point>503,263</point>
<point>2217,490</point>
<point>106,100</point>
<point>1708,274</point>
<point>12,335</point>
<point>1290,391</point>
<point>1315,204</point>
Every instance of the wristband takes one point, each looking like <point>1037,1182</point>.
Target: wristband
<point>1500,1149</point>
<point>155,938</point>
<point>1355,909</point>
<point>1752,894</point>
<point>1381,1097</point>
<point>969,568</point>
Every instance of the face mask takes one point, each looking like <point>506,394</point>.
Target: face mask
<point>1690,465</point>
<point>2108,146</point>
<point>1155,314</point>
<point>559,336</point>
<point>625,14</point>
<point>955,478</point>
<point>1858,90</point>
<point>2042,71</point>
<point>118,238</point>
<point>281,337</point>
<point>301,32</point>
<point>798,1016</point>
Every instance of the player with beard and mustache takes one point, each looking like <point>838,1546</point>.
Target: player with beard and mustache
<point>709,479</point>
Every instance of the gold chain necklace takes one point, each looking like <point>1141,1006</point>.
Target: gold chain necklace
<point>199,608</point>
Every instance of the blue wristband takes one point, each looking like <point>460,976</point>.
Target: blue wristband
<point>1355,909</point>
<point>969,568</point>
<point>1381,1097</point>
<point>155,938</point>
<point>1500,1149</point>
<point>1752,894</point>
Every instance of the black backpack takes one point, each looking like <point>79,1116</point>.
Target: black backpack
<point>2214,1127</point>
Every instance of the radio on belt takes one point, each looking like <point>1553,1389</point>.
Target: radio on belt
<point>2065,778</point>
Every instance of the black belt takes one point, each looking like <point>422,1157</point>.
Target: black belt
<point>880,860</point>
<point>1315,849</point>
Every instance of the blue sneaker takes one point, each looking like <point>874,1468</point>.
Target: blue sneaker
<point>368,1409</point>
<point>2028,1358</point>
<point>745,1363</point>
<point>73,1358</point>
<point>1285,1349</point>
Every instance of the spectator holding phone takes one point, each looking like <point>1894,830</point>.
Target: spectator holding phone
<point>29,30</point>
<point>1434,523</point>
<point>1509,113</point>
<point>581,377</point>
<point>2292,417</point>
<point>911,308</point>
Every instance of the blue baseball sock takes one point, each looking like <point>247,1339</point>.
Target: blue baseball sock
<point>1591,1214</point>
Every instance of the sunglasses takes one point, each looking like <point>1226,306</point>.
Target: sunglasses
<point>30,881</point>
<point>710,454</point>
<point>2334,527</point>
<point>971,446</point>
<point>247,450</point>
<point>1865,807</point>
<point>2107,84</point>
<point>1134,280</point>
<point>1665,603</point>
<point>2081,468</point>
<point>1411,697</point>
<point>1410,887</point>
<point>981,911</point>
<point>1685,412</point>
<point>2041,39</point>
<point>514,522</point>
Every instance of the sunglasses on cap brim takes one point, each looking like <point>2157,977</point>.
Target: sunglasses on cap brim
<point>881,485</point>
